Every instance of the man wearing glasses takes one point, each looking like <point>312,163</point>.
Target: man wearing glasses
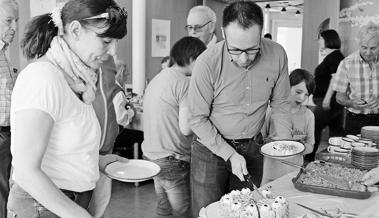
<point>231,86</point>
<point>201,24</point>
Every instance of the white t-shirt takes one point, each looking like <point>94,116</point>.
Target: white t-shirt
<point>72,154</point>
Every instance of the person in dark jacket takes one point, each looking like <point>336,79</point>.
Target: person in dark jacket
<point>327,111</point>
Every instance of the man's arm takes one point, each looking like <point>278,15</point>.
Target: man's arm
<point>184,115</point>
<point>200,101</point>
<point>281,125</point>
<point>328,95</point>
<point>358,104</point>
<point>200,98</point>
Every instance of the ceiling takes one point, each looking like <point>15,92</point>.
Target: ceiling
<point>291,6</point>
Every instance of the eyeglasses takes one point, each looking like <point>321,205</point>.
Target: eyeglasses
<point>237,51</point>
<point>196,28</point>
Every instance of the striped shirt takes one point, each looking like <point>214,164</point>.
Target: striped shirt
<point>7,81</point>
<point>355,77</point>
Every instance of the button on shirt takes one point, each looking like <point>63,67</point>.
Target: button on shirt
<point>227,101</point>
<point>7,80</point>
<point>355,77</point>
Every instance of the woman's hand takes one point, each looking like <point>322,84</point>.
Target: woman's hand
<point>129,106</point>
<point>326,104</point>
<point>104,160</point>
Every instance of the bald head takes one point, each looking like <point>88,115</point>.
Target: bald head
<point>201,23</point>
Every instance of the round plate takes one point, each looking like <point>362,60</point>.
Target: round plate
<point>132,171</point>
<point>371,128</point>
<point>282,149</point>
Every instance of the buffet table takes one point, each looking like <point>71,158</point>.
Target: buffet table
<point>283,186</point>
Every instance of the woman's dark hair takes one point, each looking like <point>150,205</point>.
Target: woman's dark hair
<point>41,30</point>
<point>331,38</point>
<point>299,75</point>
<point>246,13</point>
<point>185,50</point>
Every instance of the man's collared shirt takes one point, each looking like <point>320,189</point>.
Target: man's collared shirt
<point>7,80</point>
<point>213,41</point>
<point>227,101</point>
<point>355,77</point>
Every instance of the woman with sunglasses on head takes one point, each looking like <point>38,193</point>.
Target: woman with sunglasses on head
<point>55,132</point>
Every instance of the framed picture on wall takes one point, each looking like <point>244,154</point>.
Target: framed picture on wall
<point>160,38</point>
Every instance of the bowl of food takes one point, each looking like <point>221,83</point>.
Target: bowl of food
<point>282,149</point>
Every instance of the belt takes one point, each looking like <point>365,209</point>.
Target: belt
<point>238,142</point>
<point>5,128</point>
<point>81,198</point>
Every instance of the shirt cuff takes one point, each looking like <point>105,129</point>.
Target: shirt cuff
<point>226,151</point>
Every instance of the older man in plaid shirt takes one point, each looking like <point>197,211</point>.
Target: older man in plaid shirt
<point>357,81</point>
<point>8,19</point>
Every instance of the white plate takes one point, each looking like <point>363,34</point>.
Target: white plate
<point>282,149</point>
<point>132,171</point>
<point>371,128</point>
<point>335,141</point>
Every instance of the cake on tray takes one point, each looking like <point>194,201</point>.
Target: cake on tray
<point>247,204</point>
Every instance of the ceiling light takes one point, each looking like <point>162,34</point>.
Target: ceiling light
<point>267,8</point>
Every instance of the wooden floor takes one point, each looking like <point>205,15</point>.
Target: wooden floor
<point>129,201</point>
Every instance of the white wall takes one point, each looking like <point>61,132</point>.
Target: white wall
<point>315,11</point>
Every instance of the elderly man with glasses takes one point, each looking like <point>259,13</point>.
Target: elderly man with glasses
<point>201,24</point>
<point>231,87</point>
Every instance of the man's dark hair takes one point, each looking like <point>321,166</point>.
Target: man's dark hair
<point>299,75</point>
<point>246,13</point>
<point>331,38</point>
<point>185,50</point>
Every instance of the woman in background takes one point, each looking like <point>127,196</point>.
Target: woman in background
<point>55,132</point>
<point>302,85</point>
<point>327,112</point>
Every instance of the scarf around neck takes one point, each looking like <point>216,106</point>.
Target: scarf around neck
<point>81,79</point>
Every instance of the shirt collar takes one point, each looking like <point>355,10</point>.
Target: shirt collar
<point>212,42</point>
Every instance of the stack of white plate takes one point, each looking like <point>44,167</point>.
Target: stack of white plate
<point>370,132</point>
<point>365,157</point>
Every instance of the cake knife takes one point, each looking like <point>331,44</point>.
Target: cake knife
<point>315,211</point>
<point>249,179</point>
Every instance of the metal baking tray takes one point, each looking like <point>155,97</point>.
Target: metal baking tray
<point>328,191</point>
